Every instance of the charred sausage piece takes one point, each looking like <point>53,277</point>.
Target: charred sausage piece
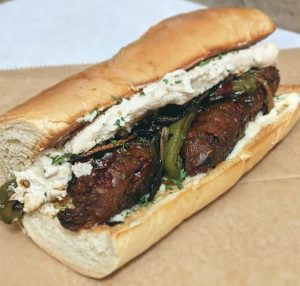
<point>118,181</point>
<point>212,136</point>
<point>219,126</point>
<point>271,76</point>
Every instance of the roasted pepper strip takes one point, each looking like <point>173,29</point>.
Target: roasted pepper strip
<point>9,210</point>
<point>245,84</point>
<point>249,83</point>
<point>177,131</point>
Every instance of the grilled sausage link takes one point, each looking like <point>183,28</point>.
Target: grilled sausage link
<point>217,128</point>
<point>118,181</point>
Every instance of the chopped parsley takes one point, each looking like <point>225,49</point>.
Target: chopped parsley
<point>142,139</point>
<point>178,81</point>
<point>204,63</point>
<point>165,81</point>
<point>118,99</point>
<point>91,116</point>
<point>178,182</point>
<point>220,56</point>
<point>168,187</point>
<point>113,141</point>
<point>142,93</point>
<point>126,213</point>
<point>169,183</point>
<point>144,201</point>
<point>99,112</point>
<point>118,121</point>
<point>59,159</point>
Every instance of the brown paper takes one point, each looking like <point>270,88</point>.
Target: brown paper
<point>249,236</point>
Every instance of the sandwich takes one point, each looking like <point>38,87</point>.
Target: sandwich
<point>99,167</point>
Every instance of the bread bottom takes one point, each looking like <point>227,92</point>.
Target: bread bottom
<point>103,249</point>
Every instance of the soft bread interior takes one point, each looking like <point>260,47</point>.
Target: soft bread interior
<point>16,142</point>
<point>100,251</point>
<point>41,121</point>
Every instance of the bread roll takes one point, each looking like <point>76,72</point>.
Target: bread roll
<point>178,42</point>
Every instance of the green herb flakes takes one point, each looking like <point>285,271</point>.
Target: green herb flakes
<point>178,182</point>
<point>59,159</point>
<point>144,201</point>
<point>204,63</point>
<point>169,187</point>
<point>118,121</point>
<point>220,56</point>
<point>142,139</point>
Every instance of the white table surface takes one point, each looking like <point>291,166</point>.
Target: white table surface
<point>58,32</point>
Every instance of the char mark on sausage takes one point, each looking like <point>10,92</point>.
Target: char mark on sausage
<point>219,126</point>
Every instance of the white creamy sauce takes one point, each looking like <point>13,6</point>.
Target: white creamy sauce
<point>82,169</point>
<point>177,87</point>
<point>42,182</point>
<point>120,217</point>
<point>290,100</point>
<point>45,182</point>
<point>90,117</point>
<point>49,209</point>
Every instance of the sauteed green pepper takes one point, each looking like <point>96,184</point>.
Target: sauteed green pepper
<point>249,84</point>
<point>245,84</point>
<point>172,162</point>
<point>10,211</point>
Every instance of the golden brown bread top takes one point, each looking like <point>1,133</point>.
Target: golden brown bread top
<point>174,43</point>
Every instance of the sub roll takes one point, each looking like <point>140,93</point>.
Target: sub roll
<point>101,166</point>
